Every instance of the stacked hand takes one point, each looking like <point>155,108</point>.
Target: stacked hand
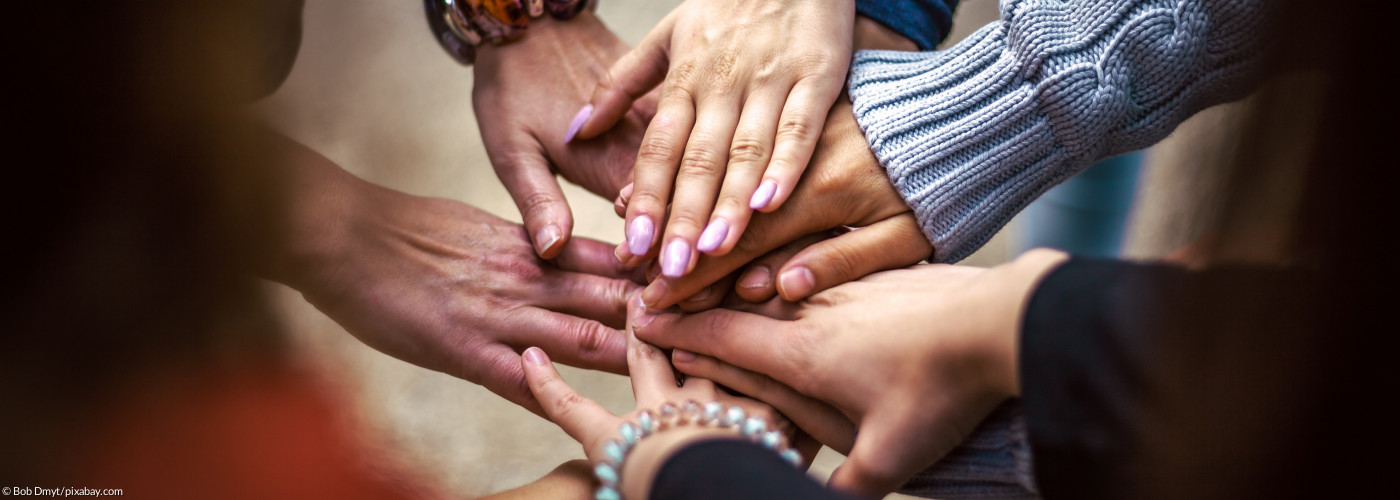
<point>446,286</point>
<point>747,85</point>
<point>522,89</point>
<point>915,357</point>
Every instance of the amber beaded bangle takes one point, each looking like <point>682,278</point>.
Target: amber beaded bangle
<point>462,25</point>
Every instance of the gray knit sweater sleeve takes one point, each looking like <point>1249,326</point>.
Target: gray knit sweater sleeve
<point>972,134</point>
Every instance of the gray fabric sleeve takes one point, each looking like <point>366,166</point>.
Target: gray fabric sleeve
<point>972,134</point>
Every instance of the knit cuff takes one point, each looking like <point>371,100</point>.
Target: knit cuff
<point>994,462</point>
<point>971,135</point>
<point>959,134</point>
<point>925,22</point>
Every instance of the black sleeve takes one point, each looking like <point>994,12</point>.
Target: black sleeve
<point>733,469</point>
<point>1123,364</point>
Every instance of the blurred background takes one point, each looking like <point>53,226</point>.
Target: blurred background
<point>374,92</point>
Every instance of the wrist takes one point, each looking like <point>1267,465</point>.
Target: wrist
<point>646,459</point>
<point>871,35</point>
<point>323,202</point>
<point>1022,277</point>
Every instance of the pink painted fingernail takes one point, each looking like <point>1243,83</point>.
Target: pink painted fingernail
<point>764,195</point>
<point>536,356</point>
<point>714,234</point>
<point>639,234</point>
<point>682,356</point>
<point>579,119</point>
<point>675,259</point>
<point>797,282</point>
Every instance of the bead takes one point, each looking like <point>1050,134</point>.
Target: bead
<point>615,452</point>
<point>646,421</point>
<point>629,433</point>
<point>712,411</point>
<point>606,474</point>
<point>606,493</point>
<point>690,412</point>
<point>772,440</point>
<point>734,417</point>
<point>754,428</point>
<point>792,456</point>
<point>666,415</point>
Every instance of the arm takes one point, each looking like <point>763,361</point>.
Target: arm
<point>972,134</point>
<point>923,22</point>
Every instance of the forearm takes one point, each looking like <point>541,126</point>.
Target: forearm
<point>972,134</point>
<point>572,479</point>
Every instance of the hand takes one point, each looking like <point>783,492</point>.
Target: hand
<point>520,91</point>
<point>915,357</point>
<point>844,186</point>
<point>747,85</point>
<point>446,286</point>
<point>653,384</point>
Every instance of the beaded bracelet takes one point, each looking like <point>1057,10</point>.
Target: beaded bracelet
<point>462,25</point>
<point>615,451</point>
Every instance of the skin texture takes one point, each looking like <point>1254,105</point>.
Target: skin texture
<point>914,357</point>
<point>443,285</point>
<point>521,89</point>
<point>746,88</point>
<point>843,186</point>
<point>805,246</point>
<point>653,384</point>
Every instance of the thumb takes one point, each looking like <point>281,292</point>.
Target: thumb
<point>884,457</point>
<point>888,244</point>
<point>545,211</point>
<point>629,79</point>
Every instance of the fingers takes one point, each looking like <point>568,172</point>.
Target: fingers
<point>575,341</point>
<point>886,454</point>
<point>749,341</point>
<point>798,130</point>
<point>708,297</point>
<point>497,368</point>
<point>591,256</point>
<point>888,244</point>
<point>587,296</point>
<point>653,176</point>
<point>650,369</point>
<point>757,282</point>
<point>527,176</point>
<point>629,79</point>
<point>577,415</point>
<point>697,182</point>
<point>814,417</point>
<point>749,153</point>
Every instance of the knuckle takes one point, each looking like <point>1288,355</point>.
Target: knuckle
<point>681,76</point>
<point>747,150</point>
<point>536,201</point>
<point>722,77</point>
<point>794,128</point>
<point>591,337</point>
<point>699,161</point>
<point>566,403</point>
<point>646,201</point>
<point>684,218</point>
<point>657,148</point>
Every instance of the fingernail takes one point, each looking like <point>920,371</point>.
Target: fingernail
<point>579,119</point>
<point>639,234</point>
<point>653,294</point>
<point>642,320</point>
<point>756,277</point>
<point>682,356</point>
<point>763,195</point>
<point>547,237</point>
<point>621,254</point>
<point>675,259</point>
<point>703,295</point>
<point>714,234</point>
<point>536,356</point>
<point>796,282</point>
<point>626,194</point>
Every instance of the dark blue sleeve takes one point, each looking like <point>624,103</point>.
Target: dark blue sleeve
<point>926,22</point>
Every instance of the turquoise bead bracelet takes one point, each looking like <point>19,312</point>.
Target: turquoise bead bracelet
<point>608,471</point>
